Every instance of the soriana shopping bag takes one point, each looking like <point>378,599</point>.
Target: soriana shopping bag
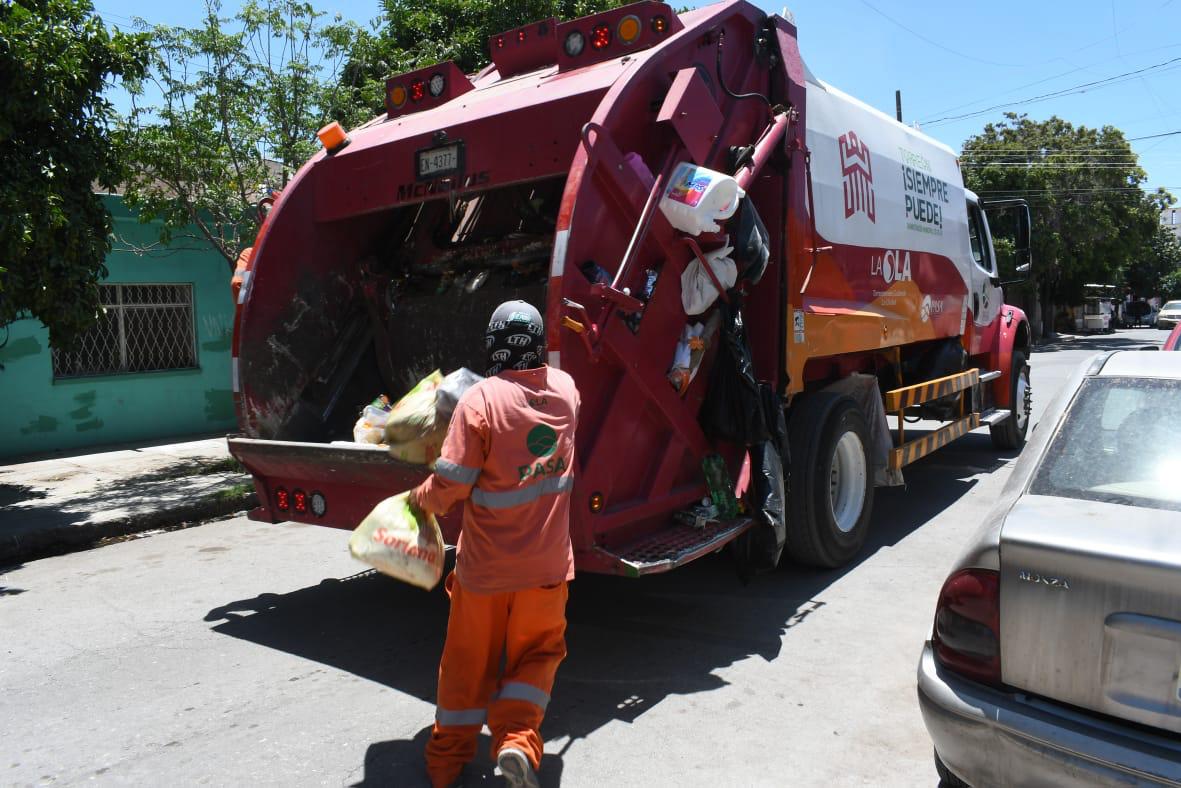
<point>401,542</point>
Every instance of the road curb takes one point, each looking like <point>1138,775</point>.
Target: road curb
<point>69,538</point>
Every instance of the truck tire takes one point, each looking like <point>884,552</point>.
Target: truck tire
<point>1010,433</point>
<point>831,481</point>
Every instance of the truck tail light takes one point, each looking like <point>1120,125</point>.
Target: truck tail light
<point>967,636</point>
<point>397,96</point>
<point>629,29</point>
<point>659,24</point>
<point>575,43</point>
<point>600,36</point>
<point>282,499</point>
<point>418,90</point>
<point>299,502</point>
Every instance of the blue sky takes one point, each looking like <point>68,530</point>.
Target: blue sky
<point>956,58</point>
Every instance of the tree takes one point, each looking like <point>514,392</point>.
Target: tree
<point>56,57</point>
<point>1091,218</point>
<point>412,34</point>
<point>229,111</point>
<point>1145,274</point>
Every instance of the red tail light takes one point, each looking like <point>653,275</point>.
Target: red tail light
<point>299,500</point>
<point>282,499</point>
<point>967,635</point>
<point>600,36</point>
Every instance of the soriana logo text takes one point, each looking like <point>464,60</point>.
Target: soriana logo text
<point>857,177</point>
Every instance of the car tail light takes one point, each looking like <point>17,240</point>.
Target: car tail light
<point>282,499</point>
<point>967,635</point>
<point>299,502</point>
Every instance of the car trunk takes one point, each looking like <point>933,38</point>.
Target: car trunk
<point>1091,606</point>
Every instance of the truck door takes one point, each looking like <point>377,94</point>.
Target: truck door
<point>984,291</point>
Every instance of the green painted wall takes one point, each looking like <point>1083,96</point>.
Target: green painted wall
<point>39,414</point>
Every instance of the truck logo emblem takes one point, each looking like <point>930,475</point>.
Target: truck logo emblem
<point>893,266</point>
<point>1044,580</point>
<point>930,308</point>
<point>857,177</point>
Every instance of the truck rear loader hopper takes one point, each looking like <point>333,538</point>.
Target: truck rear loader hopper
<point>383,258</point>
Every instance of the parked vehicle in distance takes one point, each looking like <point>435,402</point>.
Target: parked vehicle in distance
<point>1169,315</point>
<point>1057,636</point>
<point>1173,340</point>
<point>1140,313</point>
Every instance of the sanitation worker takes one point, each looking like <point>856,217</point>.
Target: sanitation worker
<point>508,457</point>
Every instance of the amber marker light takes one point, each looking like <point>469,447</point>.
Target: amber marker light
<point>659,24</point>
<point>596,503</point>
<point>629,29</point>
<point>397,96</point>
<point>332,137</point>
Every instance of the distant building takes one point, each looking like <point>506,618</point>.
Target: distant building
<point>1171,218</point>
<point>156,365</point>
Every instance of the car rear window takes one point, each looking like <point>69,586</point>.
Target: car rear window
<point>1172,306</point>
<point>1117,444</point>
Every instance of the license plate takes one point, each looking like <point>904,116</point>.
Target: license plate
<point>439,161</point>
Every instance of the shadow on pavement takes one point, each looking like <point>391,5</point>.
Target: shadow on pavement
<point>9,590</point>
<point>632,643</point>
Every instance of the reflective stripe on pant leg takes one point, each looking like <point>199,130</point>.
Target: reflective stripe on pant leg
<point>454,718</point>
<point>519,690</point>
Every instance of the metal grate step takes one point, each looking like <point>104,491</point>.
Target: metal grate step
<point>673,546</point>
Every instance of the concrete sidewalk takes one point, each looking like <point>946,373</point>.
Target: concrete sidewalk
<point>50,506</point>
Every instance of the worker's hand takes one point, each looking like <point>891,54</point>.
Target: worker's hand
<point>415,507</point>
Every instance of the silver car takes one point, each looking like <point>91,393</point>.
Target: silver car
<point>1056,652</point>
<point>1169,315</point>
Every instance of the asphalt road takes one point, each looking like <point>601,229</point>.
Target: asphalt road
<point>238,653</point>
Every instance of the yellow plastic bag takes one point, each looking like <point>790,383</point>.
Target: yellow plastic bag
<point>400,542</point>
<point>413,417</point>
<point>421,451</point>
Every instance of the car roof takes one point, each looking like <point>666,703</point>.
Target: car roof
<point>1139,364</point>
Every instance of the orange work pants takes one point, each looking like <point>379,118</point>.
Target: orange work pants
<point>527,630</point>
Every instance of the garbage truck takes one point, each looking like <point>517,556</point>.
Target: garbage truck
<point>865,290</point>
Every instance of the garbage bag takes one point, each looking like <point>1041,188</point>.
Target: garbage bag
<point>423,450</point>
<point>370,427</point>
<point>697,289</point>
<point>762,545</point>
<point>400,541</point>
<point>413,417</point>
<point>733,407</point>
<point>451,389</point>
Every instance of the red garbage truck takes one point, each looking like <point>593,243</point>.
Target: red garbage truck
<point>866,284</point>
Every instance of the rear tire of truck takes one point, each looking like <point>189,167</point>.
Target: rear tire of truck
<point>831,481</point>
<point>1010,433</point>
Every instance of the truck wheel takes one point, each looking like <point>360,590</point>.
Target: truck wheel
<point>1010,433</point>
<point>831,481</point>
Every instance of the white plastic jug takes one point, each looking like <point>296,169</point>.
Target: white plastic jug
<point>697,198</point>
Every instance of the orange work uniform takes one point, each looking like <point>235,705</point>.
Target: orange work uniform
<point>509,455</point>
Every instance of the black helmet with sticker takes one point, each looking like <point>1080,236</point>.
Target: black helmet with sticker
<point>515,338</point>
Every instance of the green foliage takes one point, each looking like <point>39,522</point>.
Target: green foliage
<point>230,110</point>
<point>1145,274</point>
<point>1170,286</point>
<point>56,56</point>
<point>416,33</point>
<point>1091,219</point>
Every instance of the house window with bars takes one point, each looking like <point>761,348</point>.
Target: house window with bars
<point>142,328</point>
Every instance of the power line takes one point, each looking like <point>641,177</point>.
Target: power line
<point>1081,88</point>
<point>936,44</point>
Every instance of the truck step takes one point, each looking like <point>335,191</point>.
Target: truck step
<point>673,546</point>
<point>995,416</point>
<point>986,377</point>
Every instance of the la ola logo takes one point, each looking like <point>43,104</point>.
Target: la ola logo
<point>892,266</point>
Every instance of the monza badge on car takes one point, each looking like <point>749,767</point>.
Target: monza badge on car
<point>1045,580</point>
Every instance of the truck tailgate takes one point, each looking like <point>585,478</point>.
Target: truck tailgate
<point>325,484</point>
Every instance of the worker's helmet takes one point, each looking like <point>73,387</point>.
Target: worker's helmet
<point>515,338</point>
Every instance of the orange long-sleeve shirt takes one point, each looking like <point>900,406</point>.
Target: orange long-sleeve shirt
<point>509,455</point>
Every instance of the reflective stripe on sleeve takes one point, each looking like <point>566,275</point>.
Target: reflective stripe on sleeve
<point>460,716</point>
<point>518,690</point>
<point>523,495</point>
<point>451,471</point>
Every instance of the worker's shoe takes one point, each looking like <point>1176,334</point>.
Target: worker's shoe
<point>516,769</point>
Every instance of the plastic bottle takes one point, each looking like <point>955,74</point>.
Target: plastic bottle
<point>697,198</point>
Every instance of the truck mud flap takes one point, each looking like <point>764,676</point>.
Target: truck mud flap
<point>339,483</point>
<point>669,548</point>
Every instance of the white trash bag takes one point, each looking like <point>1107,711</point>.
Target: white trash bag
<point>697,289</point>
<point>401,542</point>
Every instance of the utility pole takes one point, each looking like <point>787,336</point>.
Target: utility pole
<point>898,105</point>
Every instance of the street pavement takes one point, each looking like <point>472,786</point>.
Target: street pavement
<point>241,653</point>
